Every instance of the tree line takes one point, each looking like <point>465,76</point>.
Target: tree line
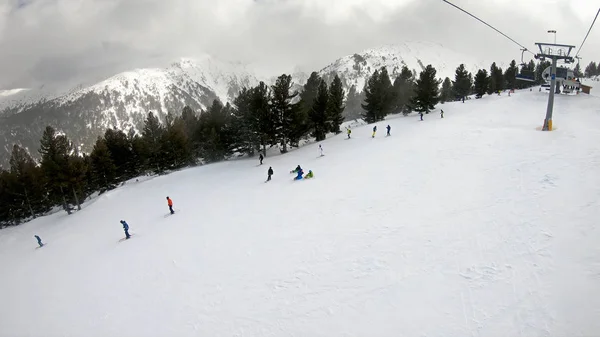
<point>258,118</point>
<point>592,69</point>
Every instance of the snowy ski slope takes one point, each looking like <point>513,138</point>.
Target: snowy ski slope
<point>471,225</point>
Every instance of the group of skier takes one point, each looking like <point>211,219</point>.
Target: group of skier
<point>126,225</point>
<point>298,171</point>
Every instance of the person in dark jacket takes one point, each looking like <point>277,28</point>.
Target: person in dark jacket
<point>126,229</point>
<point>269,173</point>
<point>260,157</point>
<point>39,240</point>
<point>170,203</point>
<point>389,128</point>
<point>421,114</point>
<point>374,131</point>
<point>442,113</point>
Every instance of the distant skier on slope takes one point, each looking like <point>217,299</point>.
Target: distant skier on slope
<point>421,114</point>
<point>374,131</point>
<point>269,173</point>
<point>442,113</point>
<point>321,150</point>
<point>298,168</point>
<point>39,240</point>
<point>126,229</point>
<point>300,174</point>
<point>260,157</point>
<point>348,131</point>
<point>309,175</point>
<point>170,204</point>
<point>389,128</point>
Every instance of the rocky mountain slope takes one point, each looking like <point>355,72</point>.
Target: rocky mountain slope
<point>124,100</point>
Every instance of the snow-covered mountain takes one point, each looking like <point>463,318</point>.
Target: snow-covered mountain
<point>124,100</point>
<point>356,68</point>
<point>121,101</point>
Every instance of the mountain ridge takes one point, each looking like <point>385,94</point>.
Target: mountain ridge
<point>122,101</point>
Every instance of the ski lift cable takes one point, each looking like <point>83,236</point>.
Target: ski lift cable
<point>588,33</point>
<point>487,24</point>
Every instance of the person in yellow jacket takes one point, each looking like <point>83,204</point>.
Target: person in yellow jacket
<point>309,174</point>
<point>349,132</point>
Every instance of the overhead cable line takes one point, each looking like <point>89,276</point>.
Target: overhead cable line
<point>487,24</point>
<point>588,33</point>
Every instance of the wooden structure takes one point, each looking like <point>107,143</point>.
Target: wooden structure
<point>585,88</point>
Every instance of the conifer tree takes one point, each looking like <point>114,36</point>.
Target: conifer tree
<point>264,121</point>
<point>510,75</point>
<point>335,108</point>
<point>462,82</point>
<point>447,93</point>
<point>496,83</point>
<point>379,96</point>
<point>403,91</point>
<point>245,134</point>
<point>55,150</point>
<point>318,113</point>
<point>577,71</point>
<point>354,101</point>
<point>481,82</point>
<point>591,69</point>
<point>121,153</point>
<point>28,191</point>
<point>309,92</point>
<point>176,147</point>
<point>289,118</point>
<point>427,91</point>
<point>214,123</point>
<point>152,135</point>
<point>103,167</point>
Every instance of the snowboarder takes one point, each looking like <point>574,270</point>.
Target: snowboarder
<point>39,240</point>
<point>421,114</point>
<point>300,174</point>
<point>260,157</point>
<point>442,113</point>
<point>374,131</point>
<point>389,128</point>
<point>269,173</point>
<point>463,99</point>
<point>309,175</point>
<point>298,168</point>
<point>321,150</point>
<point>126,229</point>
<point>170,203</point>
<point>349,132</point>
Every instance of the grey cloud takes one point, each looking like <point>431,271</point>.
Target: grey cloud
<point>60,41</point>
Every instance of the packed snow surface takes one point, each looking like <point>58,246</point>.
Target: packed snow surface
<point>472,225</point>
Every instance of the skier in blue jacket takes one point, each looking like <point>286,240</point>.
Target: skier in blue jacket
<point>126,229</point>
<point>300,174</point>
<point>39,240</point>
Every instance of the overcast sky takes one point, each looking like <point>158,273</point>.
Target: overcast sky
<point>62,41</point>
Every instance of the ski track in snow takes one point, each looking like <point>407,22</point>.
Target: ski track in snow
<point>471,225</point>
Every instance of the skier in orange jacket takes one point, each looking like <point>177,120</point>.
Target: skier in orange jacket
<point>170,203</point>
